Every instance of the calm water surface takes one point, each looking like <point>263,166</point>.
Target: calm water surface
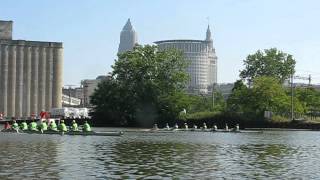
<point>180,155</point>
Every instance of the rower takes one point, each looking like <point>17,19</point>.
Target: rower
<point>53,126</point>
<point>204,127</point>
<point>86,127</point>
<point>62,126</point>
<point>167,126</point>
<point>33,126</point>
<point>15,125</point>
<point>155,127</point>
<point>227,128</point>
<point>214,128</point>
<point>43,126</point>
<point>176,126</point>
<point>24,126</point>
<point>74,126</point>
<point>237,128</point>
<point>185,126</point>
<point>195,127</point>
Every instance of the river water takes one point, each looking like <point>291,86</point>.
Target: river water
<point>179,155</point>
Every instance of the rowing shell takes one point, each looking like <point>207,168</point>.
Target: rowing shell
<point>72,133</point>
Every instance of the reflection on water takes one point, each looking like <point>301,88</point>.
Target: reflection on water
<point>22,157</point>
<point>183,155</point>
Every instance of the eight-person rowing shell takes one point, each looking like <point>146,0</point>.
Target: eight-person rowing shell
<point>49,126</point>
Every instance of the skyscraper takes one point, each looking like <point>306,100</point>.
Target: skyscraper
<point>203,61</point>
<point>30,74</point>
<point>128,38</point>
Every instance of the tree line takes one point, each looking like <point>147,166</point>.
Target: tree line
<point>148,86</point>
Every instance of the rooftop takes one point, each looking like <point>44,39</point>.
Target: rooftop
<point>180,41</point>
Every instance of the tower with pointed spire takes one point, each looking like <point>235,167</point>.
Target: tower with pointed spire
<point>128,38</point>
<point>208,34</point>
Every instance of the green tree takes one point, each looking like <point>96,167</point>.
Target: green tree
<point>146,85</point>
<point>310,99</point>
<point>270,62</point>
<point>267,94</point>
<point>239,98</point>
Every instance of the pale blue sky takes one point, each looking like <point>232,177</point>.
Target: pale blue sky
<point>90,29</point>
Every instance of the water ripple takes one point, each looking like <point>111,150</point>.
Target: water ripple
<point>185,155</point>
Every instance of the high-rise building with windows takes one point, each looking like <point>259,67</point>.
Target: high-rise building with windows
<point>203,61</point>
<point>30,74</point>
<point>128,38</point>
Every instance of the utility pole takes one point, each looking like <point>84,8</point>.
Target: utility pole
<point>292,106</point>
<point>292,90</point>
<point>309,79</point>
<point>213,102</point>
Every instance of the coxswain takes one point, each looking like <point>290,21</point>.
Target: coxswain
<point>24,126</point>
<point>62,126</point>
<point>86,127</point>
<point>15,125</point>
<point>33,126</point>
<point>53,126</point>
<point>74,126</point>
<point>7,125</point>
<point>204,127</point>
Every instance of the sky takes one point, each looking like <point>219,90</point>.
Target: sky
<point>90,30</point>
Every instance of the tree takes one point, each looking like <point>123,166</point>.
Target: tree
<point>146,85</point>
<point>270,62</point>
<point>267,94</point>
<point>310,99</point>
